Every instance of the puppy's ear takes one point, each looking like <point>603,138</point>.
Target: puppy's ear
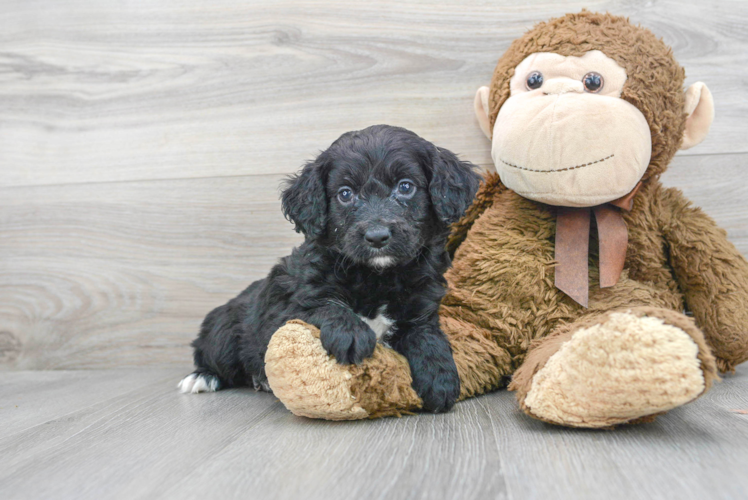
<point>453,186</point>
<point>304,200</point>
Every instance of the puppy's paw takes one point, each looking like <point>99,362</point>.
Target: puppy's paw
<point>261,384</point>
<point>439,389</point>
<point>199,382</point>
<point>350,343</point>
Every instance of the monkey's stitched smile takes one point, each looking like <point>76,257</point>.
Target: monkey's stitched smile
<point>559,170</point>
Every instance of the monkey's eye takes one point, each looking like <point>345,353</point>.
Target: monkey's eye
<point>534,80</point>
<point>345,195</point>
<point>593,82</point>
<point>406,188</point>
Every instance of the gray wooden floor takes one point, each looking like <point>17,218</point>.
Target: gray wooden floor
<point>128,434</point>
<point>141,149</point>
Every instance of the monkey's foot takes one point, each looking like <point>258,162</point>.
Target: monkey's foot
<point>625,367</point>
<point>311,383</point>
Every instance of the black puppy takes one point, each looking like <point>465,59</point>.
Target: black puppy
<point>375,209</point>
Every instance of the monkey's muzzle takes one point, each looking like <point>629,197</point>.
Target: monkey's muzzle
<point>570,149</point>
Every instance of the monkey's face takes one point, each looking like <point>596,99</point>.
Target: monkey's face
<point>573,126</point>
<point>565,137</point>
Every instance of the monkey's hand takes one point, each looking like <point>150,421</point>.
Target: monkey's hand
<point>713,276</point>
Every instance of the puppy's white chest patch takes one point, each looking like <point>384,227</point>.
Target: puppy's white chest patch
<point>381,324</point>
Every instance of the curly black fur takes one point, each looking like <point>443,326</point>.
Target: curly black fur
<point>381,251</point>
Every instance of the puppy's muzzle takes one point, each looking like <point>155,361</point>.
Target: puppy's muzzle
<point>378,236</point>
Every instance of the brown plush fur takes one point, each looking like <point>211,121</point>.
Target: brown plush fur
<point>712,275</point>
<point>503,314</point>
<point>384,384</point>
<point>483,199</point>
<point>514,297</point>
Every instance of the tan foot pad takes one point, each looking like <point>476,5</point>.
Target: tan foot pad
<point>626,368</point>
<point>308,381</point>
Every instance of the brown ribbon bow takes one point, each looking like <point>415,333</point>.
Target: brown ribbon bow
<point>573,241</point>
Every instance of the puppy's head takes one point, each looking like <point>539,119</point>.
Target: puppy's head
<point>379,195</point>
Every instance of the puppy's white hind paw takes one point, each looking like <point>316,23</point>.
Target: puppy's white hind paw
<point>198,382</point>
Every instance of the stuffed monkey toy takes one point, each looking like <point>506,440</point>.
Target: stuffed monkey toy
<point>578,280</point>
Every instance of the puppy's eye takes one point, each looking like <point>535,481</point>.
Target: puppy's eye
<point>406,188</point>
<point>345,194</point>
<point>534,80</point>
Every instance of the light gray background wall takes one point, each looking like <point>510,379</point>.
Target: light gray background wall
<point>142,143</point>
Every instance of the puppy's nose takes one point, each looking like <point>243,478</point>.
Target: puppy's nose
<point>377,236</point>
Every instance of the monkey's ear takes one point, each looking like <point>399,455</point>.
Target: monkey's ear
<point>481,110</point>
<point>304,200</point>
<point>700,110</point>
<point>453,186</point>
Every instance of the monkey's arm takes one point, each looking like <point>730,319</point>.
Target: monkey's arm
<point>713,276</point>
<point>490,186</point>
